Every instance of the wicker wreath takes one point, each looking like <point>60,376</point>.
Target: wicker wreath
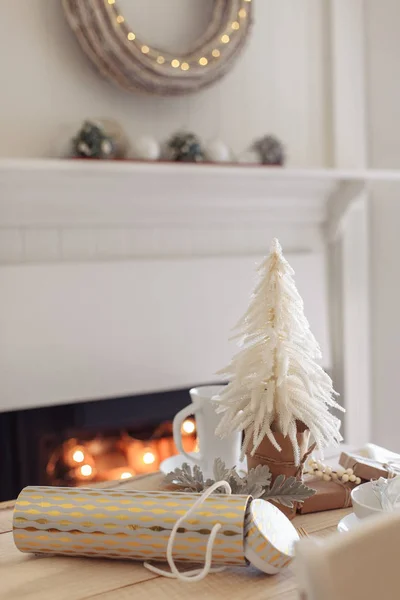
<point>120,55</point>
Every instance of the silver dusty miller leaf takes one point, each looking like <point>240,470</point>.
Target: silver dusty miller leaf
<point>220,471</point>
<point>257,480</point>
<point>190,480</point>
<point>256,483</point>
<point>287,491</point>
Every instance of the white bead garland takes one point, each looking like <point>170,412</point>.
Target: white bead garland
<point>321,471</point>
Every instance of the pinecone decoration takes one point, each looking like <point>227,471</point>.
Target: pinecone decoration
<point>184,147</point>
<point>92,141</point>
<point>270,150</point>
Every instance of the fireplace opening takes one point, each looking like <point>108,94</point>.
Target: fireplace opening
<point>107,456</point>
<point>88,442</point>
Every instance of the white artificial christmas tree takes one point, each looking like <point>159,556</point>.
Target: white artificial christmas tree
<point>275,381</point>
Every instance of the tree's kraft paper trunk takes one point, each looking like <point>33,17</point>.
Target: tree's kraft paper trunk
<point>282,463</point>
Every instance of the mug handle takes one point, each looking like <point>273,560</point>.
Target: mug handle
<point>176,428</point>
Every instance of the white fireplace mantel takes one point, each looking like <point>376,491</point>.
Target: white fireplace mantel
<point>74,210</point>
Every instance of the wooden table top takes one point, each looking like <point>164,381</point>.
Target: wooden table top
<point>31,577</point>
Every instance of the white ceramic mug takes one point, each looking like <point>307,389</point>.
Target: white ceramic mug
<point>207,420</point>
<point>365,502</point>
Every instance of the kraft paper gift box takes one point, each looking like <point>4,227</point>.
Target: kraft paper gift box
<point>371,462</point>
<point>330,495</point>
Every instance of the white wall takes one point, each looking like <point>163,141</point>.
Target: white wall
<point>384,134</point>
<point>279,85</point>
<point>87,331</point>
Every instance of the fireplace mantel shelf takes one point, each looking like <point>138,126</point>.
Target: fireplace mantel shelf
<point>61,210</point>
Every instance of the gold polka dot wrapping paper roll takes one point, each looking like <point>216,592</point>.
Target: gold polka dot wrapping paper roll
<point>269,537</point>
<point>128,524</point>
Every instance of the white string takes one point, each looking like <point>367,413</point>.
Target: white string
<point>197,574</point>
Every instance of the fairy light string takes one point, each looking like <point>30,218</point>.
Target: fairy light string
<point>184,62</point>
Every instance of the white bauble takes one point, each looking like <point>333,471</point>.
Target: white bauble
<point>146,148</point>
<point>218,151</point>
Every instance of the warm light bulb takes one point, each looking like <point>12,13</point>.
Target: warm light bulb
<point>235,25</point>
<point>185,66</point>
<point>188,426</point>
<point>160,60</point>
<point>78,456</point>
<point>242,13</point>
<point>148,458</point>
<point>216,53</point>
<point>86,470</point>
<point>175,63</point>
<point>203,61</point>
<point>131,36</point>
<point>145,49</point>
<point>225,39</point>
<point>126,475</point>
<point>111,1</point>
<point>120,19</point>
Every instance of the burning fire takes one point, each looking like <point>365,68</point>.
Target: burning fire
<point>105,458</point>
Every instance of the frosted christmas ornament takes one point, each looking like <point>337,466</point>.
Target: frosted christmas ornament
<point>184,147</point>
<point>100,139</point>
<point>270,151</point>
<point>278,393</point>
